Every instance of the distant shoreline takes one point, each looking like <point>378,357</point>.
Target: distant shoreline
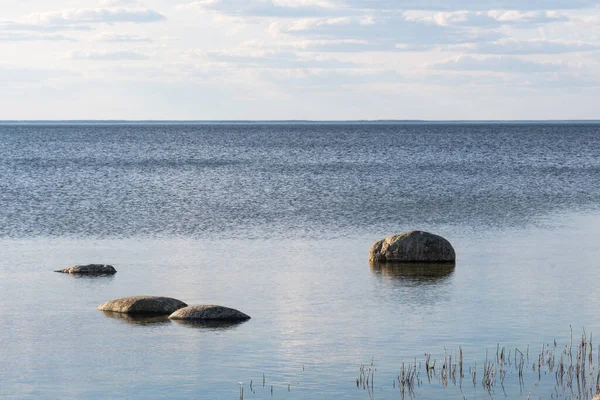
<point>308,122</point>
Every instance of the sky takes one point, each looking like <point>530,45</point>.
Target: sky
<point>300,59</point>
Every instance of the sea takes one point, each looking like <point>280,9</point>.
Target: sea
<point>276,219</point>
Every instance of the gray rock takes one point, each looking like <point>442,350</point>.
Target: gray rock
<point>208,324</point>
<point>413,247</point>
<point>98,269</point>
<point>209,313</point>
<point>143,305</point>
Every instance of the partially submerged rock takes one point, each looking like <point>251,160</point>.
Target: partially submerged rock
<point>207,324</point>
<point>143,305</point>
<point>92,269</point>
<point>209,313</point>
<point>413,247</point>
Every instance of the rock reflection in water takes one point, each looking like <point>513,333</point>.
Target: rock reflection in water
<point>104,277</point>
<point>414,273</point>
<point>138,319</point>
<point>414,284</point>
<point>208,324</point>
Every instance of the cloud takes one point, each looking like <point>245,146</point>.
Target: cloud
<point>264,8</point>
<point>304,8</point>
<point>112,37</point>
<point>11,26</point>
<point>392,32</point>
<point>120,3</point>
<point>530,81</point>
<point>496,64</point>
<point>329,80</point>
<point>80,19</point>
<point>108,55</point>
<point>94,16</point>
<point>10,74</point>
<point>397,25</point>
<point>588,20</point>
<point>559,82</point>
<point>477,5</point>
<point>33,37</point>
<point>491,18</point>
<point>273,59</point>
<point>333,45</point>
<point>522,47</point>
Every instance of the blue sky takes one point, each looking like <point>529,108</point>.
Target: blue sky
<point>300,59</point>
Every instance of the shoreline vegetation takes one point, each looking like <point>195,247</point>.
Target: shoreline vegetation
<point>573,371</point>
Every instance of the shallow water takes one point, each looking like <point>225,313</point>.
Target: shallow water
<point>277,220</point>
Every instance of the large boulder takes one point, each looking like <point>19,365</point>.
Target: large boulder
<point>413,247</point>
<point>92,269</point>
<point>209,313</point>
<point>143,305</point>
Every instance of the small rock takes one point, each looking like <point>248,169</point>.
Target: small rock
<point>209,312</point>
<point>413,247</point>
<point>98,269</point>
<point>143,305</point>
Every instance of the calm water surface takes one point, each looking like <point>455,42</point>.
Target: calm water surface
<point>277,220</point>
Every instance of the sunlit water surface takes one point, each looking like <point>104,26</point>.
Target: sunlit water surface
<point>277,220</point>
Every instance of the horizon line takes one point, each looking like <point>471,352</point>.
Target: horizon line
<point>364,121</point>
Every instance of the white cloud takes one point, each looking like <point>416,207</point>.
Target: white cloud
<point>332,45</point>
<point>496,64</point>
<point>589,20</point>
<point>33,37</point>
<point>13,26</point>
<point>327,80</point>
<point>113,37</point>
<point>82,18</point>
<point>298,8</point>
<point>562,82</point>
<point>247,58</point>
<point>534,46</point>
<point>477,5</point>
<point>303,3</point>
<point>489,18</point>
<point>266,8</point>
<point>392,30</point>
<point>108,55</point>
<point>120,3</point>
<point>10,74</point>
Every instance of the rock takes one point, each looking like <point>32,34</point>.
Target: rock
<point>413,247</point>
<point>207,324</point>
<point>143,305</point>
<point>98,269</point>
<point>209,313</point>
